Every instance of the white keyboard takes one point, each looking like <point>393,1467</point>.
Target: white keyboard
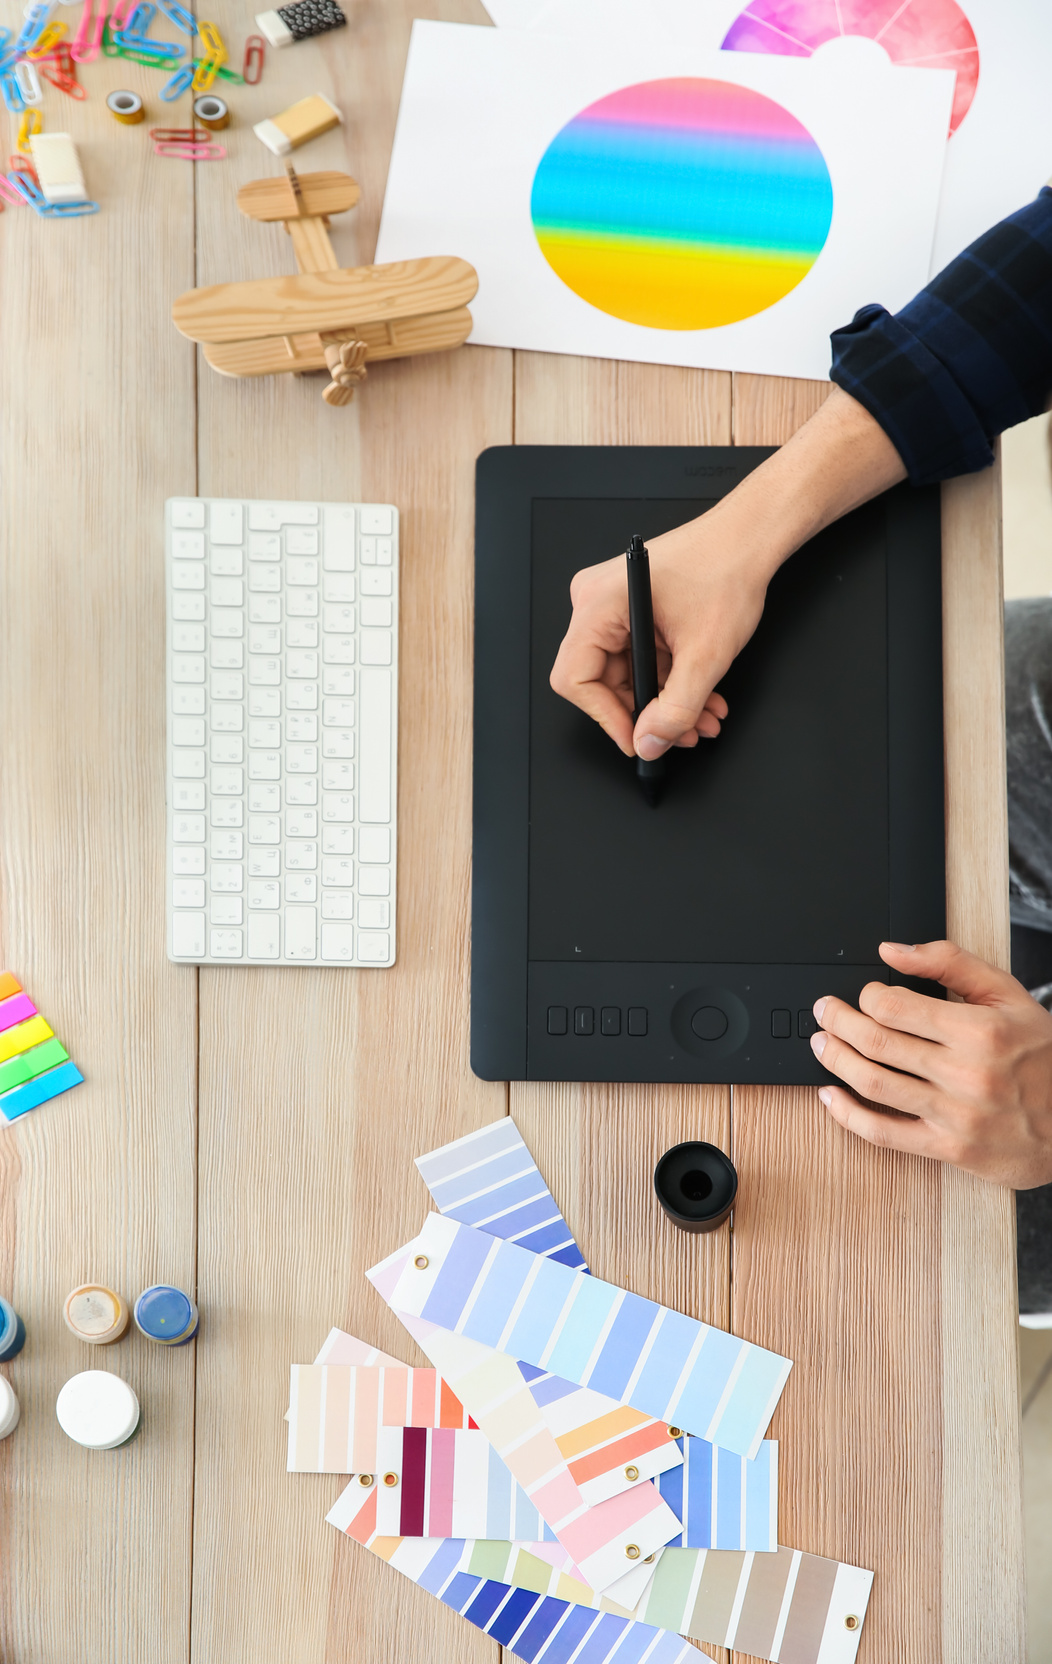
<point>282,732</point>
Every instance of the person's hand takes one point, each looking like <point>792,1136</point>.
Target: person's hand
<point>706,606</point>
<point>975,1079</point>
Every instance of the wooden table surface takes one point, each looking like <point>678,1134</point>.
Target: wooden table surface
<point>250,1133</point>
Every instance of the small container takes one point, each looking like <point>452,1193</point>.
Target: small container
<point>126,107</point>
<point>166,1315</point>
<point>696,1185</point>
<point>9,1409</point>
<point>211,112</point>
<point>97,1410</point>
<point>12,1333</point>
<point>96,1314</point>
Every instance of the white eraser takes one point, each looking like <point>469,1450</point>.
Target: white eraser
<point>277,32</point>
<point>273,137</point>
<point>58,167</point>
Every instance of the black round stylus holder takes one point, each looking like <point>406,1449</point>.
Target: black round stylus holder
<point>696,1185</point>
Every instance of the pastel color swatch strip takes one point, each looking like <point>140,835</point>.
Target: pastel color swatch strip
<point>336,1411</point>
<point>489,1179</point>
<point>531,1625</point>
<point>671,1366</point>
<point>724,1500</point>
<point>607,1445</point>
<point>39,1091</point>
<point>339,1347</point>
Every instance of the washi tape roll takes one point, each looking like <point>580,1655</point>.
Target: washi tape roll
<point>9,1408</point>
<point>126,106</point>
<point>211,112</point>
<point>97,1410</point>
<point>12,1332</point>
<point>166,1315</point>
<point>95,1314</point>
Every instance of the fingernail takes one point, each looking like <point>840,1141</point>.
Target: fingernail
<point>818,1043</point>
<point>825,1095</point>
<point>900,947</point>
<point>819,1006</point>
<point>650,748</point>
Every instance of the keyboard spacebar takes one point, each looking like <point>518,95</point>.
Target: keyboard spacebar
<point>374,745</point>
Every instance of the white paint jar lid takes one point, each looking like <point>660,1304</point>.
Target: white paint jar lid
<point>97,1409</point>
<point>9,1408</point>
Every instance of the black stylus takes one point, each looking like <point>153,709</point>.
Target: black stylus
<point>644,656</point>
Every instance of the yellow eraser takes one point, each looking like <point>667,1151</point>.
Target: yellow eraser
<point>58,167</point>
<point>306,120</point>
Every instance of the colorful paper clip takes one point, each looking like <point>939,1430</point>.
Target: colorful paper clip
<point>254,59</point>
<point>31,193</point>
<point>164,51</point>
<point>177,84</point>
<point>118,18</point>
<point>35,21</point>
<point>13,198</point>
<point>215,54</point>
<point>12,94</point>
<point>49,37</point>
<point>23,164</point>
<point>32,122</point>
<point>225,73</point>
<point>88,38</point>
<point>192,152</point>
<point>180,135</point>
<point>179,16</point>
<point>29,83</point>
<point>60,60</point>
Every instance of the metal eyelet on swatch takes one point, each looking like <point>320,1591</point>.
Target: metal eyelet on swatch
<point>851,1622</point>
<point>649,1561</point>
<point>675,1432</point>
<point>365,1480</point>
<point>632,1550</point>
<point>390,1479</point>
<point>631,1473</point>
<point>421,1262</point>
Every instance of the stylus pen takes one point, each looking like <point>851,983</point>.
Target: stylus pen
<point>644,656</point>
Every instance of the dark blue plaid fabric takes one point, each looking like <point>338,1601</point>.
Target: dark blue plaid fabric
<point>968,357</point>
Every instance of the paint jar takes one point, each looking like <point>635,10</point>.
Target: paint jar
<point>95,1314</point>
<point>97,1410</point>
<point>9,1409</point>
<point>12,1332</point>
<point>166,1315</point>
<point>696,1185</point>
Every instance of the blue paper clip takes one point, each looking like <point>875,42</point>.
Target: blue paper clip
<point>179,16</point>
<point>139,18</point>
<point>12,92</point>
<point>36,17</point>
<point>31,194</point>
<point>178,84</point>
<point>70,210</point>
<point>145,43</point>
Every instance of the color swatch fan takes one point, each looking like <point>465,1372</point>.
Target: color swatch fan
<point>682,203</point>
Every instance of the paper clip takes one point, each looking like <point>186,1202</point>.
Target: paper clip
<point>179,135</point>
<point>49,36</point>
<point>118,18</point>
<point>165,51</point>
<point>88,38</point>
<point>65,77</point>
<point>35,20</point>
<point>225,73</point>
<point>32,122</point>
<point>13,198</point>
<point>177,84</point>
<point>23,164</point>
<point>70,210</point>
<point>179,16</point>
<point>138,20</point>
<point>215,54</point>
<point>192,152</point>
<point>29,83</point>
<point>255,57</point>
<point>12,93</point>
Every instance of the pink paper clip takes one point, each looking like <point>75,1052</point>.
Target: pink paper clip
<point>120,14</point>
<point>8,194</point>
<point>192,152</point>
<point>88,38</point>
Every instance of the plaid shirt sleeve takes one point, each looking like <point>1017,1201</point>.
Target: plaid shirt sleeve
<point>968,357</point>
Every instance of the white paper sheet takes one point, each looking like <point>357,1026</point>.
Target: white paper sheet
<point>481,106</point>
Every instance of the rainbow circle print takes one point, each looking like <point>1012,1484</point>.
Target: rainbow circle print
<point>682,203</point>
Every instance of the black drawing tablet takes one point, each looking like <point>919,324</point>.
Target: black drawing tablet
<point>612,941</point>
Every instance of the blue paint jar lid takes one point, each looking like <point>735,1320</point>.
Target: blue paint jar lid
<point>12,1330</point>
<point>165,1314</point>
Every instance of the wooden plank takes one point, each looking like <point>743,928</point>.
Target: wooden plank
<point>97,429</point>
<point>318,1088</point>
<point>598,1145</point>
<point>404,339</point>
<point>898,1426</point>
<point>324,300</point>
<point>319,193</point>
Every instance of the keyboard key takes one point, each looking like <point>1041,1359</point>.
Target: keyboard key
<point>301,571</point>
<point>188,935</point>
<point>189,795</point>
<point>367,550</point>
<point>264,580</point>
<point>337,806</point>
<point>264,765</point>
<point>301,932</point>
<point>226,811</point>
<point>187,513</point>
<point>188,638</point>
<point>374,881</point>
<point>226,563</point>
<point>384,551</point>
<point>378,520</point>
<point>301,855</point>
<point>187,576</point>
<point>188,892</point>
<point>302,665</point>
<point>188,860</point>
<point>338,713</point>
<point>264,638</point>
<point>373,949</point>
<point>188,829</point>
<point>264,935</point>
<point>188,606</point>
<point>374,843</point>
<point>337,618</point>
<point>337,872</point>
<point>226,684</point>
<point>187,667</point>
<point>227,622</point>
<point>557,1019</point>
<point>301,823</point>
<point>227,782</point>
<point>227,719</point>
<point>301,632</point>
<point>225,523</point>
<point>374,746</point>
<point>226,592</point>
<point>338,586</point>
<point>226,846</point>
<point>338,679</point>
<point>301,886</point>
<point>338,742</point>
<point>264,735</point>
<point>224,910</point>
<point>188,730</point>
<point>226,944</point>
<point>263,798</point>
<point>227,748</point>
<point>302,603</point>
<point>226,655</point>
<point>264,546</point>
<point>374,914</point>
<point>190,700</point>
<point>337,904</point>
<point>338,553</point>
<point>270,517</point>
<point>263,702</point>
<point>300,541</point>
<point>188,765</point>
<point>263,673</point>
<point>302,788</point>
<point>301,759</point>
<point>264,829</point>
<point>337,840</point>
<point>301,696</point>
<point>376,646</point>
<point>376,611</point>
<point>264,609</point>
<point>264,893</point>
<point>226,877</point>
<point>263,863</point>
<point>338,650</point>
<point>337,775</point>
<point>376,583</point>
<point>301,725</point>
<point>337,942</point>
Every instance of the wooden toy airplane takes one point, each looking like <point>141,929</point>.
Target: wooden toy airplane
<point>327,317</point>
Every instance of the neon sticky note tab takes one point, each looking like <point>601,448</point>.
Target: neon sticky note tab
<point>724,1500</point>
<point>36,1092</point>
<point>15,1010</point>
<point>336,1411</point>
<point>24,1035</point>
<point>489,1179</point>
<point>9,984</point>
<point>31,1063</point>
<point>702,1379</point>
